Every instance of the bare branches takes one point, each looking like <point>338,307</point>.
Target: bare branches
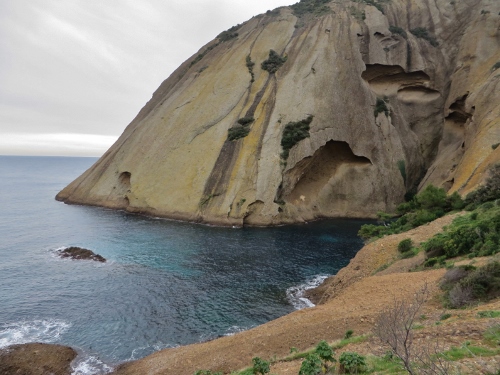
<point>394,327</point>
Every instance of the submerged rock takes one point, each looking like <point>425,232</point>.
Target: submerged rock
<point>75,252</point>
<point>36,359</point>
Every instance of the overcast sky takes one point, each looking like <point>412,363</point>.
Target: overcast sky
<point>74,73</point>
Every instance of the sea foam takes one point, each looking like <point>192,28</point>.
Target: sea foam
<point>295,294</point>
<point>22,332</point>
<point>89,365</point>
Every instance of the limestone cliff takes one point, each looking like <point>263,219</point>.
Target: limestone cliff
<point>371,99</point>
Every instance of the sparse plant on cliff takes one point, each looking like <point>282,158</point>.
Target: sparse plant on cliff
<point>490,191</point>
<point>423,33</point>
<point>245,120</point>
<point>398,30</point>
<point>380,106</point>
<point>273,63</point>
<point>316,7</point>
<point>496,66</point>
<point>237,132</point>
<point>293,133</point>
<point>229,33</point>
<point>250,64</point>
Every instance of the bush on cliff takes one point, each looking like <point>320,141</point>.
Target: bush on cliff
<point>293,133</point>
<point>423,208</point>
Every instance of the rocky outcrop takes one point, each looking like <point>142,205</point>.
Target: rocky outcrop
<point>36,359</point>
<point>75,252</point>
<point>356,106</point>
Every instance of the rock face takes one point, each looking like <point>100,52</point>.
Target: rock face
<point>74,252</point>
<point>401,94</point>
<point>36,359</point>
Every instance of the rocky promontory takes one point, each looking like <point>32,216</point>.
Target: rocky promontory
<point>36,359</point>
<point>320,109</point>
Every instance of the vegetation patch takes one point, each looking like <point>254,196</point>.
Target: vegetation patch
<point>467,351</point>
<point>496,66</point>
<point>398,30</point>
<point>250,64</point>
<point>488,314</point>
<point>467,285</point>
<point>423,208</point>
<point>490,191</point>
<point>381,107</point>
<point>246,120</point>
<point>293,133</point>
<point>273,63</point>
<point>237,132</point>
<point>229,33</point>
<point>352,363</point>
<point>423,33</point>
<point>315,7</point>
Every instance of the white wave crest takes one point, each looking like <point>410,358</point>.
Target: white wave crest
<point>46,331</point>
<point>233,330</point>
<point>89,365</point>
<point>295,294</point>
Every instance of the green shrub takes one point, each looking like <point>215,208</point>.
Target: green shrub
<point>311,365</point>
<point>348,334</point>
<point>273,63</point>
<point>423,208</point>
<point>488,192</point>
<point>405,245</point>
<point>432,197</point>
<point>423,33</point>
<point>398,30</point>
<point>237,132</point>
<point>325,352</point>
<point>260,366</point>
<point>293,133</point>
<point>246,120</point>
<point>351,362</point>
<point>380,107</point>
<point>496,66</point>
<point>250,64</point>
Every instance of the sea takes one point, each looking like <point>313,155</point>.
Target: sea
<point>165,283</point>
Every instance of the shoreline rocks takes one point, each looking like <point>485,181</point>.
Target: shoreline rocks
<point>79,253</point>
<point>36,359</point>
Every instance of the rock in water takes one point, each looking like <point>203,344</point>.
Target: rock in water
<point>74,252</point>
<point>320,109</point>
<point>36,359</point>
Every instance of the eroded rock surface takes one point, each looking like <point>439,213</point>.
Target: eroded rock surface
<point>393,109</point>
<point>75,252</point>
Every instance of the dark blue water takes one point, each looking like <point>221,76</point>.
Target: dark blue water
<point>165,283</point>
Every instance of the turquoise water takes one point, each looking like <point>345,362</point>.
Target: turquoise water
<point>165,284</point>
